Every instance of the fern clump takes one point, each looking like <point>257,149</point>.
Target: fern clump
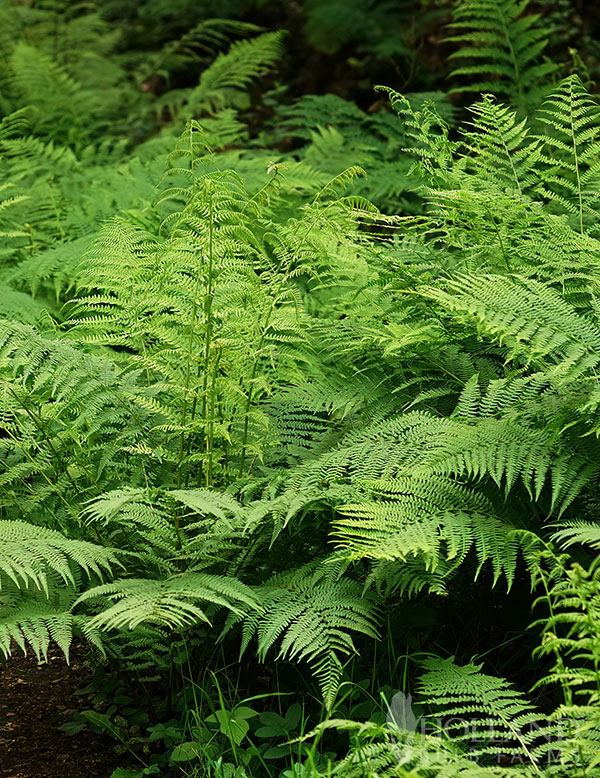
<point>300,397</point>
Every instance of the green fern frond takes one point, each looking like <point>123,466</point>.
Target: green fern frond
<point>578,532</point>
<point>171,602</point>
<point>532,320</point>
<point>310,612</point>
<point>431,521</point>
<point>571,150</point>
<point>500,48</point>
<point>224,82</point>
<point>29,553</point>
<point>501,720</point>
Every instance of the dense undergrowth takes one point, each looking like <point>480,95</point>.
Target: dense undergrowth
<point>299,395</point>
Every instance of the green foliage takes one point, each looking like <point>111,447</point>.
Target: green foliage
<point>273,376</point>
<point>500,49</point>
<point>311,610</point>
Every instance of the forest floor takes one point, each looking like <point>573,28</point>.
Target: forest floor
<point>34,701</point>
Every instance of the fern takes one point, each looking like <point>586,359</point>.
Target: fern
<point>170,602</point>
<point>223,83</point>
<point>416,519</point>
<point>29,553</point>
<point>311,612</point>
<point>40,571</point>
<point>218,356</point>
<point>500,49</point>
<point>496,711</point>
<point>572,116</point>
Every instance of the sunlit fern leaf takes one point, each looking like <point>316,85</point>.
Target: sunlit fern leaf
<point>35,624</point>
<point>532,320</point>
<point>573,533</point>
<point>438,522</point>
<point>499,147</point>
<point>31,618</point>
<point>175,602</point>
<point>28,553</point>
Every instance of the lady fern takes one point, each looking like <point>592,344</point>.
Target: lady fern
<point>500,48</point>
<point>241,400</point>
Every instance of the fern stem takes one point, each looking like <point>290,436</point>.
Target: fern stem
<point>208,317</point>
<point>513,56</point>
<point>186,382</point>
<point>576,157</point>
<point>501,242</point>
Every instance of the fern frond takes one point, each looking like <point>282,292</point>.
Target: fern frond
<point>501,48</point>
<point>501,720</point>
<point>431,521</point>
<point>171,602</point>
<point>223,83</point>
<point>571,144</point>
<point>29,553</point>
<point>311,613</point>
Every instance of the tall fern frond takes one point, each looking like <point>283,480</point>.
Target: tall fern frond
<point>571,150</point>
<point>500,49</point>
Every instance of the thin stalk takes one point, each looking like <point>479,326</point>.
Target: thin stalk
<point>208,437</point>
<point>186,382</point>
<point>576,157</point>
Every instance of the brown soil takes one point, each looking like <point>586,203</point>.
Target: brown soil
<point>34,701</point>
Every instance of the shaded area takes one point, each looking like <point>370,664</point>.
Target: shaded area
<point>34,701</point>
